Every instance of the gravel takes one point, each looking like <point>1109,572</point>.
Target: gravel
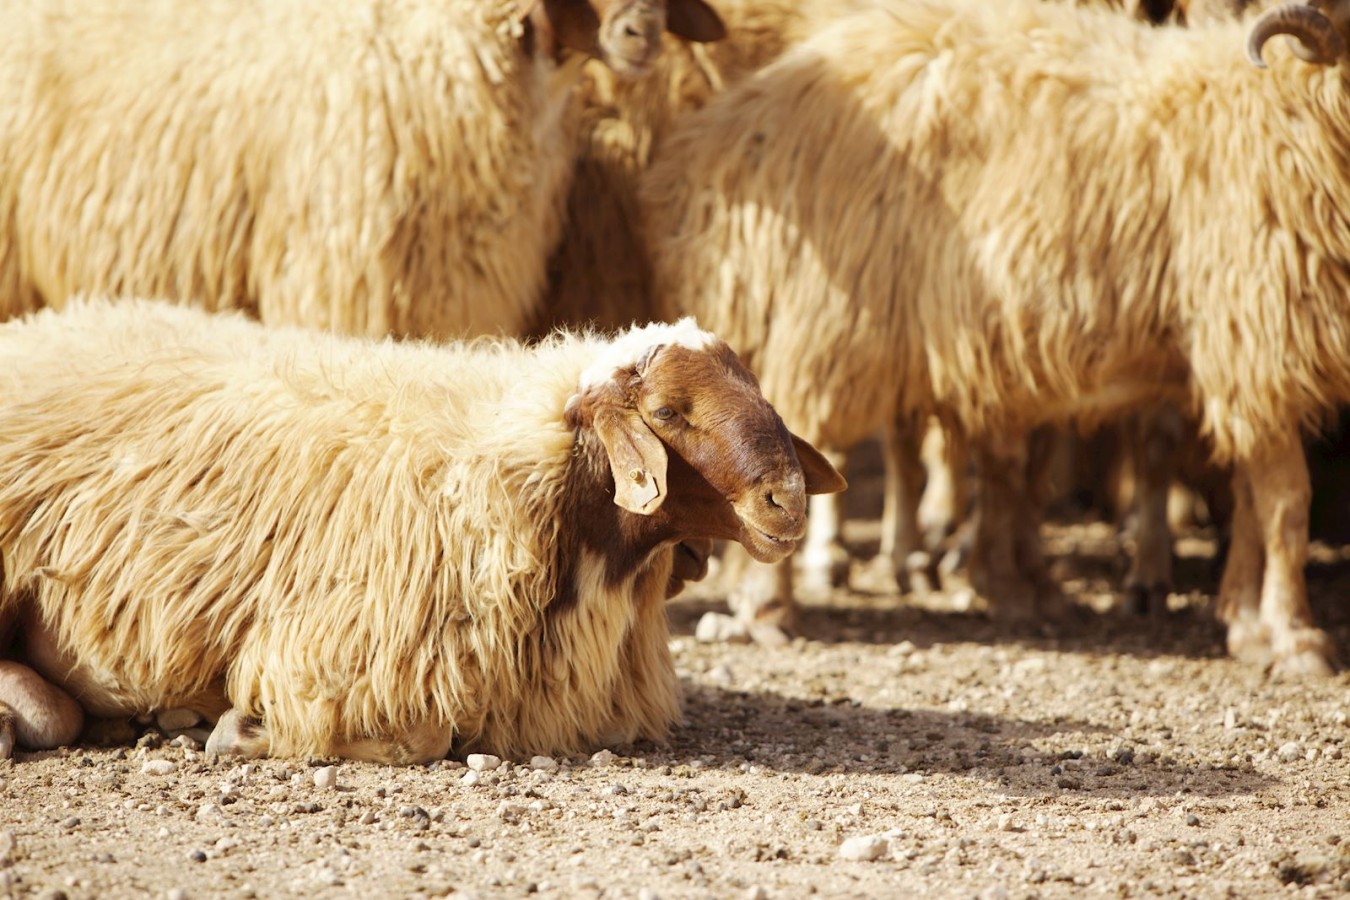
<point>906,729</point>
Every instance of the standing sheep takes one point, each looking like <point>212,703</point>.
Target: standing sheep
<point>371,550</point>
<point>1024,212</point>
<point>375,167</point>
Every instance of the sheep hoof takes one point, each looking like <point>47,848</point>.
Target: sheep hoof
<point>768,634</point>
<point>1304,653</point>
<point>236,734</point>
<point>1249,642</point>
<point>6,735</point>
<point>1147,600</point>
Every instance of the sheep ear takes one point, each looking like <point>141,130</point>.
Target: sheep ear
<point>695,21</point>
<point>821,475</point>
<point>636,457</point>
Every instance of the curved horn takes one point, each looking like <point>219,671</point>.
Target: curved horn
<point>1318,40</point>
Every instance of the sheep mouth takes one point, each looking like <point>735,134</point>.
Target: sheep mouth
<point>630,65</point>
<point>766,546</point>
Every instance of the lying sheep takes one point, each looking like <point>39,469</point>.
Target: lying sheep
<point>393,167</point>
<point>376,551</point>
<point>1024,212</point>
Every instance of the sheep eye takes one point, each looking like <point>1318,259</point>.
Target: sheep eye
<point>665,414</point>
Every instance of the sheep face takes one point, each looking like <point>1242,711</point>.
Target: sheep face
<point>623,34</point>
<point>695,448</point>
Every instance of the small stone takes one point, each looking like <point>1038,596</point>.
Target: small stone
<point>1230,718</point>
<point>1005,822</point>
<point>648,894</point>
<point>483,762</point>
<point>210,812</point>
<point>994,892</point>
<point>159,767</point>
<point>177,894</point>
<point>70,822</point>
<point>510,812</point>
<point>864,849</point>
<point>757,893</point>
<point>197,856</point>
<point>603,758</point>
<point>543,763</point>
<point>1290,752</point>
<point>719,628</point>
<point>369,817</point>
<point>902,649</point>
<point>470,778</point>
<point>721,674</point>
<point>325,778</point>
<point>1193,820</point>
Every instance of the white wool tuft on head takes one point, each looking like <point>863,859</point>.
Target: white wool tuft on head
<point>628,347</point>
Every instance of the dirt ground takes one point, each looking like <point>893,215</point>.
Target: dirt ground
<point>901,748</point>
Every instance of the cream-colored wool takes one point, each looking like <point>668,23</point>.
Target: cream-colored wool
<point>350,540</point>
<point>600,272</point>
<point>373,166</point>
<point>1019,212</point>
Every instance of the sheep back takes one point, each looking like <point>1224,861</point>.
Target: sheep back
<point>347,539</point>
<point>371,167</point>
<point>1015,213</point>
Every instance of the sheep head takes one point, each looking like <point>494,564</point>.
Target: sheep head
<point>1318,25</point>
<point>623,34</point>
<point>693,445</point>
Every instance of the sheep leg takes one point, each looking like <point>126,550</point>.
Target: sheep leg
<point>763,601</point>
<point>999,531</point>
<point>901,543</point>
<point>1281,492</point>
<point>824,558</point>
<point>1157,437</point>
<point>1239,600</point>
<point>946,496</point>
<point>34,713</point>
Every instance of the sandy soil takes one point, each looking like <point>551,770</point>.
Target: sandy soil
<point>1099,756</point>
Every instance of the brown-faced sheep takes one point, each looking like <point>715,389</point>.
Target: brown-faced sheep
<point>1051,212</point>
<point>375,167</point>
<point>371,550</point>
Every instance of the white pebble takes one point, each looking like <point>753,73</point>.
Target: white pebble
<point>210,811</point>
<point>510,812</point>
<point>603,758</point>
<point>904,648</point>
<point>1005,822</point>
<point>470,778</point>
<point>719,628</point>
<point>177,894</point>
<point>325,778</point>
<point>994,892</point>
<point>170,720</point>
<point>721,674</point>
<point>159,767</point>
<point>864,849</point>
<point>483,762</point>
<point>757,893</point>
<point>648,894</point>
<point>543,763</point>
<point>1290,752</point>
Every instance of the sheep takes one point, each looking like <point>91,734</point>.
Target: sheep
<point>1027,212</point>
<point>374,550</point>
<point>374,167</point>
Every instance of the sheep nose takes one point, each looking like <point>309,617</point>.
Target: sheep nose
<point>788,499</point>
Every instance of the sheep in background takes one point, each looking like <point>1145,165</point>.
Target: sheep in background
<point>374,167</point>
<point>1007,275</point>
<point>372,550</point>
